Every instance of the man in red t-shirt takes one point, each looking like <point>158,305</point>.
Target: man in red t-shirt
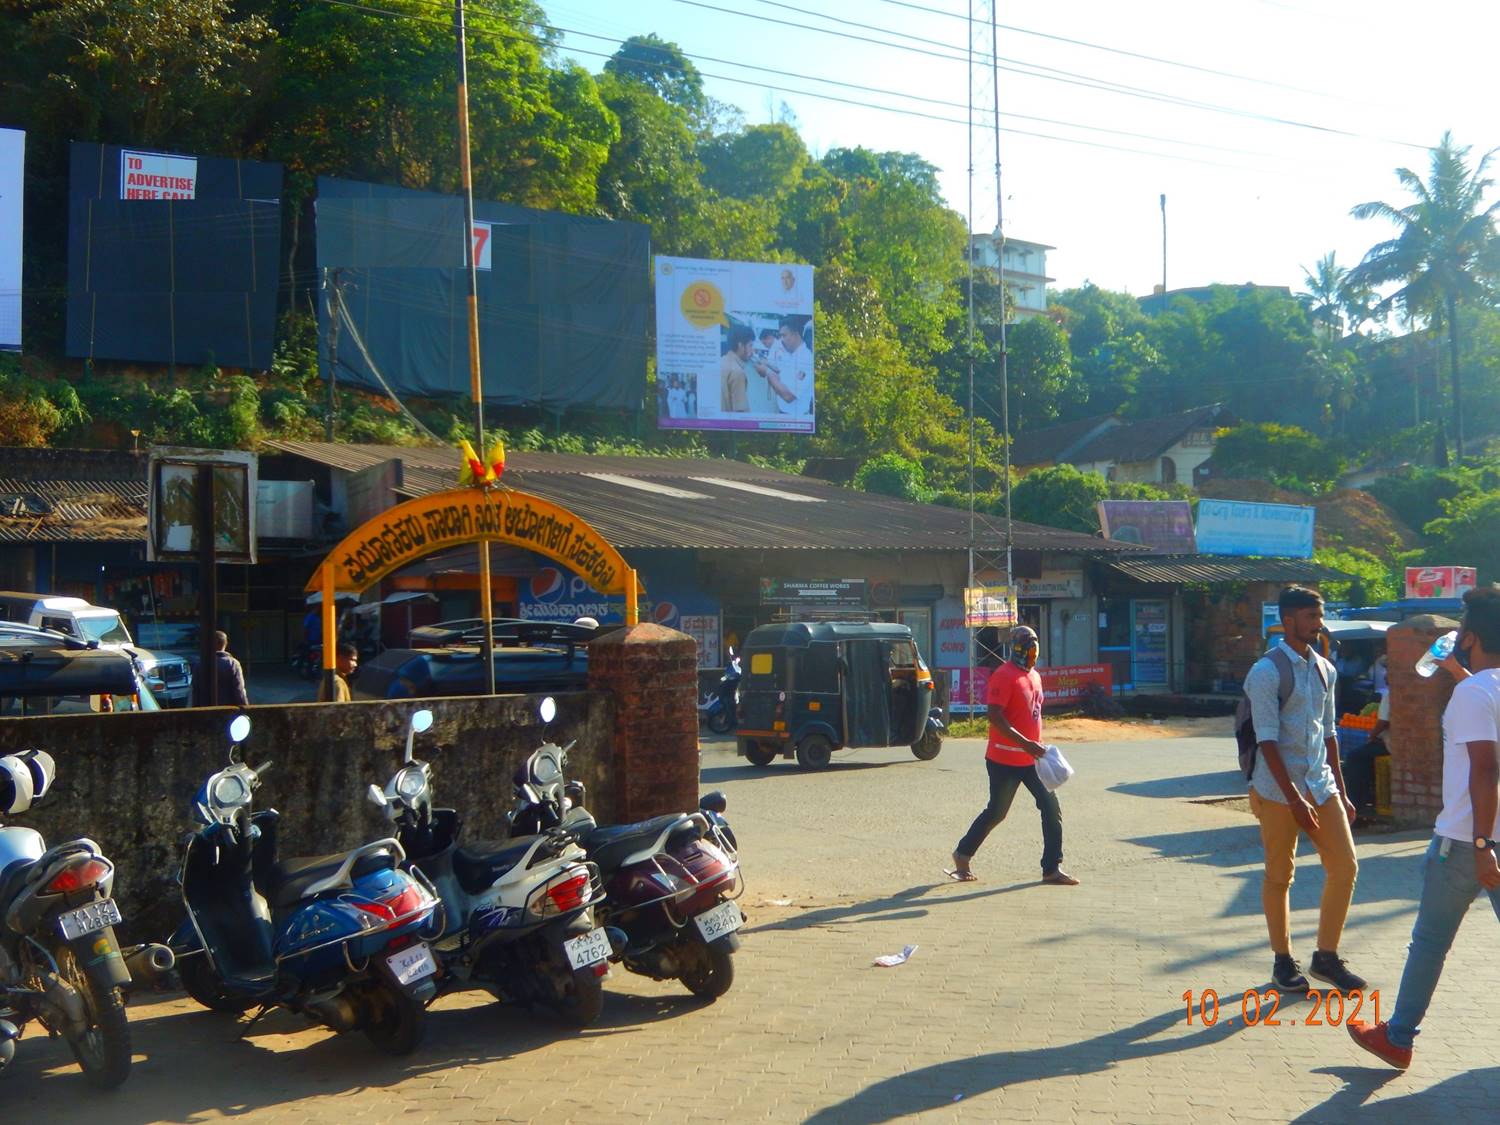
<point>1015,714</point>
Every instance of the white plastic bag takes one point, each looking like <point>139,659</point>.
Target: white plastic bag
<point>1053,768</point>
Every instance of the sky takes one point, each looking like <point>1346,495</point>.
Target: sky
<point>1302,109</point>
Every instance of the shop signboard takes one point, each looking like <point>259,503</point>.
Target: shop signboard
<point>1165,526</point>
<point>1439,581</point>
<point>989,605</point>
<point>950,635</point>
<point>825,593</point>
<point>1052,584</point>
<point>1235,527</point>
<point>172,504</point>
<point>1149,642</point>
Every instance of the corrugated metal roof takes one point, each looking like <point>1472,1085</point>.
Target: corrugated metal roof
<point>775,516</point>
<point>1211,569</point>
<point>78,511</point>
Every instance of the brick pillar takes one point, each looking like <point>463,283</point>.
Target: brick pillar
<point>653,674</point>
<point>1416,734</point>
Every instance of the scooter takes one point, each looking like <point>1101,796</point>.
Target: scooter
<point>670,881</point>
<point>336,938</point>
<point>519,917</point>
<point>59,961</point>
<point>720,707</point>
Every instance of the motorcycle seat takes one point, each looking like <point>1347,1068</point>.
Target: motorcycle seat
<point>288,880</point>
<point>480,865</point>
<point>610,847</point>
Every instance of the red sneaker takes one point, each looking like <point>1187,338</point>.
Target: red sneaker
<point>1378,1043</point>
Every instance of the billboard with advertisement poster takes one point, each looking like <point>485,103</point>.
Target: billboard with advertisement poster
<point>734,346</point>
<point>1241,528</point>
<point>1163,525</point>
<point>1439,581</point>
<point>1059,685</point>
<point>12,181</point>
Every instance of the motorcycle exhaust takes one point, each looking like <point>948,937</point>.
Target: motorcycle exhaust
<point>148,964</point>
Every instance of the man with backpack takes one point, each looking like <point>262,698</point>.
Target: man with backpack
<point>1296,786</point>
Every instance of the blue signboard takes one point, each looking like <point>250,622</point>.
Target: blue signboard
<point>1235,527</point>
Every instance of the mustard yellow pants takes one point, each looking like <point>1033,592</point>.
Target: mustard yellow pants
<point>1335,845</point>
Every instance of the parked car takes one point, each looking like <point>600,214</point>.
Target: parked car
<point>530,656</point>
<point>168,675</point>
<point>45,671</point>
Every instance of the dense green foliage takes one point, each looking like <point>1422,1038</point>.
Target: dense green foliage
<point>1285,455</point>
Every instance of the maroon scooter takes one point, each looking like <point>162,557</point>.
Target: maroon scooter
<point>670,882</point>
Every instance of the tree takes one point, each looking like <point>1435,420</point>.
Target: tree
<point>1325,294</point>
<point>651,174</point>
<point>762,162</point>
<point>891,474</point>
<point>1268,451</point>
<point>1445,253</point>
<point>1060,496</point>
<point>1468,534</point>
<point>660,65</point>
<point>1040,372</point>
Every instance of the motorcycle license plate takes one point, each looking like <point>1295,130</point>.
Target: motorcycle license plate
<point>88,919</point>
<point>589,949</point>
<point>721,920</point>
<point>413,963</point>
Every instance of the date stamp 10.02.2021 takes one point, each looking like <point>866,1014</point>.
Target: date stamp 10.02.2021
<point>1328,1008</point>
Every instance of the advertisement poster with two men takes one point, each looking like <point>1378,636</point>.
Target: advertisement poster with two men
<point>734,346</point>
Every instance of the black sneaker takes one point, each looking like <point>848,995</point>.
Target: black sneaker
<point>1330,967</point>
<point>1286,975</point>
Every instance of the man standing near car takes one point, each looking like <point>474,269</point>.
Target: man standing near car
<point>1461,858</point>
<point>229,676</point>
<point>346,663</point>
<point>1297,786</point>
<point>1014,695</point>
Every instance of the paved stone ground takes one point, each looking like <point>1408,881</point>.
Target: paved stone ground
<point>1023,1002</point>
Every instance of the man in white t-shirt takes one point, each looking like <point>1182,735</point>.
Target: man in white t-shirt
<point>1461,859</point>
<point>676,399</point>
<point>794,382</point>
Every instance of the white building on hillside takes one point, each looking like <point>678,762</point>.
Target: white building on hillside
<point>1025,270</point>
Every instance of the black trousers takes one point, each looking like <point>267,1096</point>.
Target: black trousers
<point>1004,781</point>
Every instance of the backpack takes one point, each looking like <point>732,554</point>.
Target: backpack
<point>1244,721</point>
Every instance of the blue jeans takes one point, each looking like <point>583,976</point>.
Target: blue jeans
<point>1449,887</point>
<point>1004,781</point>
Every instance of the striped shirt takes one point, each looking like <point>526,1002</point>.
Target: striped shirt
<point>1298,729</point>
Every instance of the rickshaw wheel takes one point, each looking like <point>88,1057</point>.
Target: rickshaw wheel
<point>756,753</point>
<point>814,752</point>
<point>928,746</point>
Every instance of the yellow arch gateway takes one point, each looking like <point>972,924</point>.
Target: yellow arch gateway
<point>420,527</point>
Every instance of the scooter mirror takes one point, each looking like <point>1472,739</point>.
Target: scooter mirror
<point>377,796</point>
<point>421,721</point>
<point>548,709</point>
<point>239,728</point>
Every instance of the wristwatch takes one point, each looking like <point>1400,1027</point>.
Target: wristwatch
<point>1483,843</point>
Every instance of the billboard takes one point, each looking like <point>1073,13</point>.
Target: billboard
<point>830,593</point>
<point>1059,685</point>
<point>1163,525</point>
<point>563,299</point>
<point>12,182</point>
<point>172,258</point>
<point>1439,581</point>
<point>734,346</point>
<point>1236,527</point>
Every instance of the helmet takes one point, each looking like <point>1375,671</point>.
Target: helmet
<point>24,779</point>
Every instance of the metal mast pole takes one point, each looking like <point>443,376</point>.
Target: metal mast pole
<point>476,387</point>
<point>1010,573</point>
<point>969,685</point>
<point>1163,307</point>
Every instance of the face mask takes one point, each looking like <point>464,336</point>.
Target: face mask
<point>1025,657</point>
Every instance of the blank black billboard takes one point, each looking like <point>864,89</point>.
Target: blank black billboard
<point>172,258</point>
<point>563,299</point>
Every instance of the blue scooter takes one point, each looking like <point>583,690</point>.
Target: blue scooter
<point>336,938</point>
<point>720,707</point>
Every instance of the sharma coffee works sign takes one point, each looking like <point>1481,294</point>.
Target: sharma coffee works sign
<point>829,593</point>
<point>419,527</point>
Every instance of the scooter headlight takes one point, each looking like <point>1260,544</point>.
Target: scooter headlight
<point>410,782</point>
<point>229,790</point>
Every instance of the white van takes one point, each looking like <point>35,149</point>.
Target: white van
<point>169,677</point>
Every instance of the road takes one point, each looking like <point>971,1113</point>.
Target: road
<point>1023,1002</point>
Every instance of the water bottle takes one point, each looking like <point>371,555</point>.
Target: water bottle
<point>1441,649</point>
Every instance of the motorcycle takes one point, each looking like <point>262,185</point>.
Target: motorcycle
<point>60,963</point>
<point>719,708</point>
<point>670,882</point>
<point>519,917</point>
<point>337,938</point>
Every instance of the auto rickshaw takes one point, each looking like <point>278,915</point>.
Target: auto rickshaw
<point>812,688</point>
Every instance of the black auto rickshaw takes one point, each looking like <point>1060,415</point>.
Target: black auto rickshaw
<point>812,688</point>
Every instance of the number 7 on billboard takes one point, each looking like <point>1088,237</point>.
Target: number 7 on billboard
<point>481,234</point>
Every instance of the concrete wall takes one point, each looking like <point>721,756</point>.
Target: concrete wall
<point>127,780</point>
<point>1223,633</point>
<point>1416,735</point>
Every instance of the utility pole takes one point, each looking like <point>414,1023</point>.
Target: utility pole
<point>476,387</point>
<point>1163,251</point>
<point>335,313</point>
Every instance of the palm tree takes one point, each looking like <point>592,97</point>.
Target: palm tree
<point>1445,252</point>
<point>1324,294</point>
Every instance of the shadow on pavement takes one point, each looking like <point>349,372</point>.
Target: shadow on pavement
<point>1226,783</point>
<point>1471,1096</point>
<point>196,1062</point>
<point>930,1087</point>
<point>781,768</point>
<point>893,907</point>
